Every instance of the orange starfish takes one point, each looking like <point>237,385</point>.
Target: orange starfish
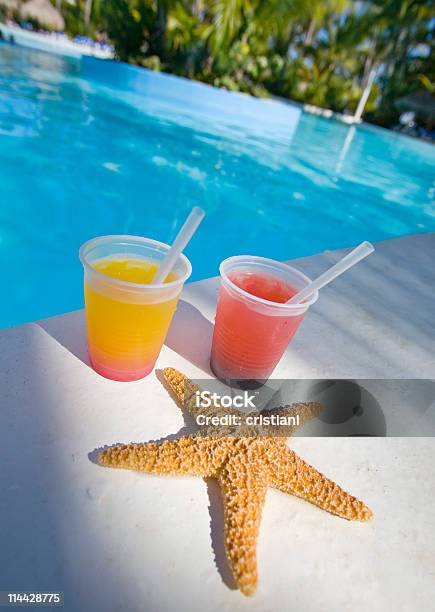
<point>245,464</point>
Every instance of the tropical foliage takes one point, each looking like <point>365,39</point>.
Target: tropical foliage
<point>320,52</point>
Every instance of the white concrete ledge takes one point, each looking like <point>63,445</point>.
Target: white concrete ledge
<point>113,539</point>
<point>377,321</point>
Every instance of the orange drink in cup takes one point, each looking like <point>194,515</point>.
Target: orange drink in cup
<point>127,313</point>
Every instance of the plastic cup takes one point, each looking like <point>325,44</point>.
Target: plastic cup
<point>252,333</point>
<point>126,321</point>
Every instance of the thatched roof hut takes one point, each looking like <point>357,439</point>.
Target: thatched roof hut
<point>10,5</point>
<point>44,13</point>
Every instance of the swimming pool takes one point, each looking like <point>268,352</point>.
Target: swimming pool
<point>89,147</point>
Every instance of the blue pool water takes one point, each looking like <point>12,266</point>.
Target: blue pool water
<point>90,148</point>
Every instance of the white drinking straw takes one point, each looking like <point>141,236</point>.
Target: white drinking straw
<point>352,258</point>
<point>180,242</point>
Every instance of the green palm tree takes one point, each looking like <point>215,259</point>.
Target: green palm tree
<point>320,51</point>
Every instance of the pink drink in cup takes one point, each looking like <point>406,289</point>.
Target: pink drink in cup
<point>253,324</point>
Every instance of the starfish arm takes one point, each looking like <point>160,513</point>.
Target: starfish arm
<point>243,489</point>
<point>196,456</point>
<point>289,473</point>
<point>305,411</point>
<point>185,391</point>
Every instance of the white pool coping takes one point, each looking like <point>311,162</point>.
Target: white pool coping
<point>51,43</point>
<point>110,538</point>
